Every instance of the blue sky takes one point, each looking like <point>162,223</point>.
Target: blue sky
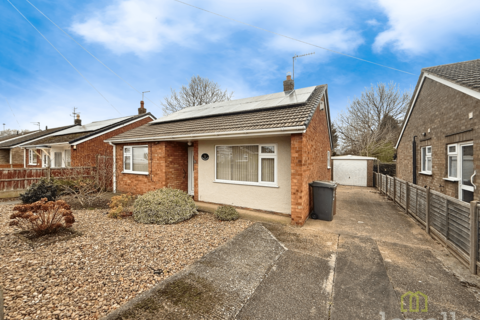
<point>155,45</point>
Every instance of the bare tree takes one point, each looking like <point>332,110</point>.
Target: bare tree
<point>7,132</point>
<point>371,123</point>
<point>200,91</point>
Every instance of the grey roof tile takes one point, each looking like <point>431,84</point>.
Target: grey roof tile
<point>282,117</point>
<point>465,73</point>
<point>29,137</point>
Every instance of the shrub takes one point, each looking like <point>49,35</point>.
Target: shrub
<point>226,213</point>
<point>45,188</point>
<point>43,216</point>
<point>121,206</point>
<point>164,206</point>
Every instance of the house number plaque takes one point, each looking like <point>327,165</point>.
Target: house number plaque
<point>205,157</point>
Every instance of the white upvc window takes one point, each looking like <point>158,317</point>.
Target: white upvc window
<point>32,157</point>
<point>68,158</point>
<point>135,159</point>
<point>246,164</point>
<point>45,159</point>
<point>427,160</point>
<point>328,160</point>
<point>452,151</point>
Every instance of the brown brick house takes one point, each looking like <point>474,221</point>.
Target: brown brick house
<point>258,152</point>
<point>439,145</point>
<point>11,153</point>
<point>80,145</point>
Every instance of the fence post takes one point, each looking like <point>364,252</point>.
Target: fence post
<point>394,190</point>
<point>427,211</point>
<point>407,196</point>
<point>473,237</point>
<point>48,173</point>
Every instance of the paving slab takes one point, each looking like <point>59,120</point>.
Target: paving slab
<point>299,286</point>
<point>417,269</point>
<point>215,287</point>
<point>362,288</point>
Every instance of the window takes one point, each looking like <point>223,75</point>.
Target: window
<point>45,160</point>
<point>246,164</point>
<point>58,159</point>
<point>328,159</point>
<point>68,158</point>
<point>427,159</point>
<point>135,159</point>
<point>32,157</point>
<point>452,161</point>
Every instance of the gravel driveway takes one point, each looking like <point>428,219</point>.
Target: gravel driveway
<point>101,265</point>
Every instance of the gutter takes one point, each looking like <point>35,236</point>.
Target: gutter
<point>214,135</point>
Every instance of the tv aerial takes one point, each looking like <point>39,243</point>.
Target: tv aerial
<point>296,57</point>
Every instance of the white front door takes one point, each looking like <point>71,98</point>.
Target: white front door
<point>191,185</point>
<point>467,171</point>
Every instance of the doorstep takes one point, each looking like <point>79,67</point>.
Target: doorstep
<point>248,214</point>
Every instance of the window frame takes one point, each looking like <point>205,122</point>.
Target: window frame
<point>261,156</point>
<point>32,156</point>
<point>451,154</point>
<point>66,161</point>
<point>130,171</point>
<point>424,154</point>
<point>45,159</point>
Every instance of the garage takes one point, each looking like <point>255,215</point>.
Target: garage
<point>353,170</point>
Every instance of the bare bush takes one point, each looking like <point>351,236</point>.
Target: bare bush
<point>121,206</point>
<point>43,216</point>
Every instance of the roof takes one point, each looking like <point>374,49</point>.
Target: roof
<point>78,133</point>
<point>465,73</point>
<point>248,104</point>
<point>350,157</point>
<point>28,137</point>
<point>270,118</point>
<point>15,135</point>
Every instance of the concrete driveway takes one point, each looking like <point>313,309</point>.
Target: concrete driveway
<point>356,267</point>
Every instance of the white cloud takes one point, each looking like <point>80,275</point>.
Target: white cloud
<point>417,27</point>
<point>372,22</point>
<point>148,26</point>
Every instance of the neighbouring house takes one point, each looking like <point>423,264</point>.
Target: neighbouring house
<point>11,153</point>
<point>80,145</point>
<point>257,153</point>
<point>439,145</point>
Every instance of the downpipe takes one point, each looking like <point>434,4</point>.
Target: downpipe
<point>414,159</point>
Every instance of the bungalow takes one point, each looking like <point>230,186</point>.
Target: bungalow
<point>258,152</point>
<point>439,145</point>
<point>12,155</point>
<point>79,145</point>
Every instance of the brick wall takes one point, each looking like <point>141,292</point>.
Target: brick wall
<point>444,111</point>
<point>308,163</point>
<point>17,156</point>
<point>86,152</point>
<point>195,170</point>
<point>167,167</point>
<point>4,156</point>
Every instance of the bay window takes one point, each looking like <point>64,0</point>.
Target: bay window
<point>246,164</point>
<point>427,160</point>
<point>135,159</point>
<point>452,161</point>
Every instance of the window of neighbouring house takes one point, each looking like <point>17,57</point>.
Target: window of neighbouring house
<point>452,161</point>
<point>45,160</point>
<point>68,158</point>
<point>57,159</point>
<point>246,164</point>
<point>32,156</point>
<point>135,159</point>
<point>427,159</point>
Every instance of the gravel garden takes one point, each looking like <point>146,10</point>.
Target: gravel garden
<point>97,263</point>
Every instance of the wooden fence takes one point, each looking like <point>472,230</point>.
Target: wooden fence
<point>452,222</point>
<point>21,179</point>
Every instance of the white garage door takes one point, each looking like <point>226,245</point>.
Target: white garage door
<point>350,172</point>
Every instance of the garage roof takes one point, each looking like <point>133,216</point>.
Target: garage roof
<point>350,157</point>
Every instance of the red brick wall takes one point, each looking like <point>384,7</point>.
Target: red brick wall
<point>86,152</point>
<point>308,163</point>
<point>195,170</point>
<point>167,165</point>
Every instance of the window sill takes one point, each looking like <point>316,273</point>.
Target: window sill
<point>133,172</point>
<point>426,173</point>
<point>451,179</point>
<point>254,184</point>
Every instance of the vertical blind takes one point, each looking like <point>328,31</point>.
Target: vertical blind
<point>237,163</point>
<point>58,159</point>
<point>268,170</point>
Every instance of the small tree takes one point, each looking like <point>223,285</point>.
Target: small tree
<point>200,91</point>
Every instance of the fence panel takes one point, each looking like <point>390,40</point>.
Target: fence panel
<point>438,213</point>
<point>421,204</point>
<point>478,229</point>
<point>459,224</point>
<point>384,183</point>
<point>412,207</point>
<point>403,192</point>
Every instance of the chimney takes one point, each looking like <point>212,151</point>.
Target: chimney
<point>142,109</point>
<point>78,121</point>
<point>288,84</point>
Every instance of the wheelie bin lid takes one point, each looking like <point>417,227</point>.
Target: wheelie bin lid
<point>323,184</point>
